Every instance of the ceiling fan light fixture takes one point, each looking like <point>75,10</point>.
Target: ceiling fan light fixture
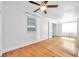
<point>43,8</point>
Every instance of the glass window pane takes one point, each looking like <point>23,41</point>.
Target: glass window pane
<point>31,23</point>
<point>69,28</point>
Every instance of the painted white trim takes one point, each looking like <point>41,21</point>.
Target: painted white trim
<point>20,46</point>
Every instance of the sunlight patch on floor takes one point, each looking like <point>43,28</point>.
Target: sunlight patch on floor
<point>78,53</point>
<point>68,38</point>
<point>68,45</point>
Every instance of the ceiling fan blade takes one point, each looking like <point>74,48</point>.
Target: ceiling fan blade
<point>34,3</point>
<point>45,11</point>
<point>51,6</point>
<point>36,10</point>
<point>45,2</point>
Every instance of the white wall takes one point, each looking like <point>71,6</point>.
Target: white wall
<point>42,28</point>
<point>54,29</point>
<point>78,27</point>
<point>0,29</point>
<point>50,30</point>
<point>14,25</point>
<point>58,29</point>
<point>77,32</point>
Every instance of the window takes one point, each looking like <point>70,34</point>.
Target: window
<point>69,28</point>
<point>31,23</point>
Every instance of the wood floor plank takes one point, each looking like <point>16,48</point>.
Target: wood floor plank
<point>54,47</point>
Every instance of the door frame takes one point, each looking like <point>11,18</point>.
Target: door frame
<point>48,30</point>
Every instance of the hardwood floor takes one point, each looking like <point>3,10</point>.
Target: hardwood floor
<point>54,47</point>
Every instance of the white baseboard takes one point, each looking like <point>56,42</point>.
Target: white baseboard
<point>17,47</point>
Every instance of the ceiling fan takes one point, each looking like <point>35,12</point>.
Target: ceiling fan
<point>43,6</point>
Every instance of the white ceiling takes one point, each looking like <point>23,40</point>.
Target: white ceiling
<point>70,7</point>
